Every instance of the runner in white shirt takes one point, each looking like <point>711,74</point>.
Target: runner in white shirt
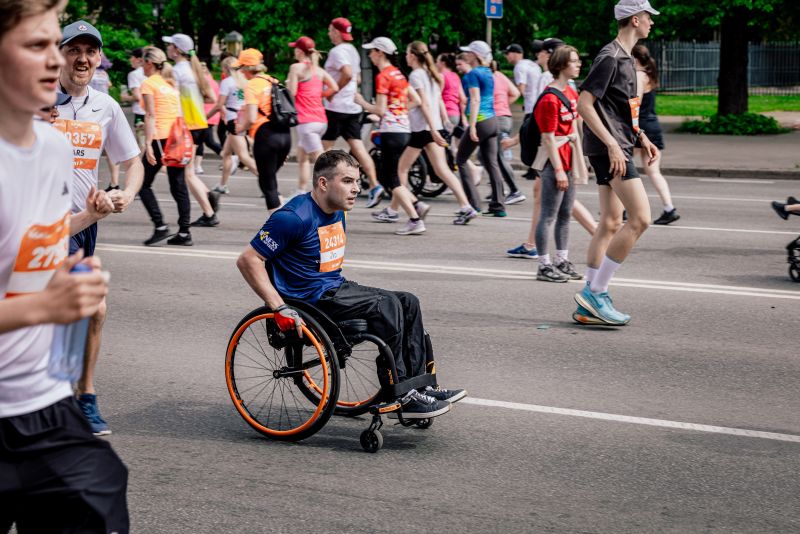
<point>40,423</point>
<point>94,122</point>
<point>522,67</point>
<point>135,79</point>
<point>344,115</point>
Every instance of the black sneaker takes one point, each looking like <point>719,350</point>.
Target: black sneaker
<point>206,221</point>
<point>184,240</point>
<point>450,395</point>
<point>158,235</point>
<point>213,199</point>
<point>568,269</point>
<point>780,209</point>
<point>418,406</point>
<point>111,188</point>
<point>668,217</point>
<point>547,273</point>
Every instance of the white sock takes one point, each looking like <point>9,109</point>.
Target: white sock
<point>668,207</point>
<point>591,272</point>
<point>604,274</point>
<point>164,227</point>
<point>544,259</point>
<point>562,256</point>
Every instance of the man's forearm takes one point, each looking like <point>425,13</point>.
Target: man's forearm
<point>254,273</point>
<point>22,312</point>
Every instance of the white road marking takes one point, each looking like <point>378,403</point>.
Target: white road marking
<point>632,419</point>
<point>703,198</point>
<point>505,274</point>
<point>736,180</point>
<point>226,203</point>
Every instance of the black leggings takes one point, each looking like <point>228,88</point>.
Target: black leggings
<point>487,141</point>
<point>392,146</point>
<point>270,149</point>
<point>177,186</point>
<point>205,138</point>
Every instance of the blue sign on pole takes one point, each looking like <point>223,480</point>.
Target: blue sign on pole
<point>494,9</point>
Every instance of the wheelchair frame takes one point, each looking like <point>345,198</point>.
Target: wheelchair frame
<point>331,346</point>
<point>793,252</point>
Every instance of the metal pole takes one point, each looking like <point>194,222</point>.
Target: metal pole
<point>489,31</point>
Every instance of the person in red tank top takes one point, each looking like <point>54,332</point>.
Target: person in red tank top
<point>309,84</point>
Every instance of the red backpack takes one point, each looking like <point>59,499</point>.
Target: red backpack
<point>179,146</point>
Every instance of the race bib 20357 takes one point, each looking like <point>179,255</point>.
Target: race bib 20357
<point>86,139</point>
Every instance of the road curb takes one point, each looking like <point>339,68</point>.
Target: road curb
<point>753,174</point>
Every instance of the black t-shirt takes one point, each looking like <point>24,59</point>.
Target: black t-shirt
<point>612,80</point>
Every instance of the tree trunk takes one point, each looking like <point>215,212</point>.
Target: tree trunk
<point>733,58</point>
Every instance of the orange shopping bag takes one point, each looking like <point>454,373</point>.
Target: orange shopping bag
<point>177,150</point>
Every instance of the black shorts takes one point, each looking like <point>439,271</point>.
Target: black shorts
<point>64,478</point>
<point>601,164</point>
<point>86,239</point>
<point>346,125</point>
<point>423,138</point>
<point>230,127</point>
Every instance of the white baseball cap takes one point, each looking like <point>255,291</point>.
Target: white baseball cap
<point>479,48</point>
<point>182,42</point>
<point>384,44</point>
<point>629,8</point>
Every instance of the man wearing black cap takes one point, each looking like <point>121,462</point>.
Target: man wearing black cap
<point>94,123</point>
<point>516,57</point>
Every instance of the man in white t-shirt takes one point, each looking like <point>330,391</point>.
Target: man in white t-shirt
<point>516,57</point>
<point>135,79</point>
<point>55,476</point>
<point>344,115</point>
<point>94,123</point>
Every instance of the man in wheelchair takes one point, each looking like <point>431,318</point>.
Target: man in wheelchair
<point>303,244</point>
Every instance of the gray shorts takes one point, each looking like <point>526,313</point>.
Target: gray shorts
<point>309,136</point>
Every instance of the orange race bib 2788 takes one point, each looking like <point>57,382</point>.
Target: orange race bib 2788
<point>42,250</point>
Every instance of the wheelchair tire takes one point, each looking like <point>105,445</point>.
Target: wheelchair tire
<point>794,273</point>
<point>371,440</point>
<point>264,367</point>
<point>359,387</point>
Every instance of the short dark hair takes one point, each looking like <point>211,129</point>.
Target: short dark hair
<point>624,23</point>
<point>137,53</point>
<point>328,162</point>
<point>559,59</point>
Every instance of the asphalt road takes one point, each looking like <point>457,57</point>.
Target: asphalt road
<point>713,342</point>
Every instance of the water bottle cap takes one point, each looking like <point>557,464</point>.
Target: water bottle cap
<point>81,268</point>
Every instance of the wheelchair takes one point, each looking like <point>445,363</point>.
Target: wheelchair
<point>793,253</point>
<point>287,387</point>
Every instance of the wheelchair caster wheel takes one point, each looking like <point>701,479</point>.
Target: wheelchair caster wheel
<point>371,440</point>
<point>794,273</point>
<point>407,422</point>
<point>424,423</point>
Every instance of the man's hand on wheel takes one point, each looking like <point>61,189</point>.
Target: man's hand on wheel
<point>287,318</point>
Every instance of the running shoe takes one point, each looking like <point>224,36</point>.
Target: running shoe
<point>88,405</point>
<point>422,209</point>
<point>668,217</point>
<point>515,198</point>
<point>584,316</point>
<point>206,221</point>
<point>548,273</point>
<point>464,217</point>
<point>199,170</point>
<point>221,189</point>
<point>792,200</point>
<point>494,213</point>
<point>780,209</point>
<point>412,228</point>
<point>374,196</point>
<point>385,216</point>
<point>183,240</point>
<point>415,405</point>
<point>158,236</point>
<point>213,199</point>
<point>111,188</point>
<point>566,267</point>
<point>601,306</point>
<point>530,174</point>
<point>450,395</point>
<point>522,252</point>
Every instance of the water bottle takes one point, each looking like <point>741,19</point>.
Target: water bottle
<point>69,344</point>
<point>508,154</point>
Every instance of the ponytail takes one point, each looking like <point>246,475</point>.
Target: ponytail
<point>165,70</point>
<point>200,77</point>
<point>423,55</point>
<point>313,56</point>
<point>642,54</point>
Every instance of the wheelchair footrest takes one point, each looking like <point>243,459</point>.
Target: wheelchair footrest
<point>396,391</point>
<point>384,408</point>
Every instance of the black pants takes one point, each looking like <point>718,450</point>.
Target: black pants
<point>392,146</point>
<point>177,186</point>
<point>487,143</point>
<point>56,477</point>
<point>270,149</point>
<point>393,316</point>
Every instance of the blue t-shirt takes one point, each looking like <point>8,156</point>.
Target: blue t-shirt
<point>305,248</point>
<point>481,77</point>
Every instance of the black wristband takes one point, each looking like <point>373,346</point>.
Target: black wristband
<point>281,307</point>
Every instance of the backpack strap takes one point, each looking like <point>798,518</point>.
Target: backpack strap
<point>561,96</point>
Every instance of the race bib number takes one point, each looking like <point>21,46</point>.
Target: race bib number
<point>86,139</point>
<point>331,247</point>
<point>635,103</point>
<point>42,250</point>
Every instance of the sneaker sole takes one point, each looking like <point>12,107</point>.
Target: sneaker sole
<point>588,320</point>
<point>102,433</point>
<point>385,220</point>
<point>580,300</point>
<point>159,240</point>
<point>523,256</point>
<point>548,279</point>
<point>457,397</point>
<point>515,201</point>
<point>203,224</point>
<point>415,232</point>
<point>426,415</point>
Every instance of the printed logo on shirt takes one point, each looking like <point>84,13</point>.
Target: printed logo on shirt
<point>86,139</point>
<point>635,103</point>
<point>271,244</point>
<point>332,240</point>
<point>42,250</point>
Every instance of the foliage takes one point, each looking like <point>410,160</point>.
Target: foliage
<point>742,124</point>
<point>691,105</point>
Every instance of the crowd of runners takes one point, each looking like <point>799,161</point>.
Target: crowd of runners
<point>452,107</point>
